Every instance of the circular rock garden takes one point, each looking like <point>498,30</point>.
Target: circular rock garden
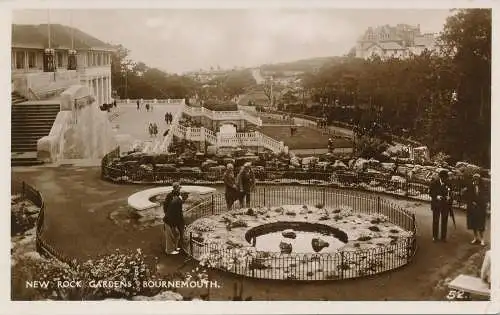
<point>363,243</point>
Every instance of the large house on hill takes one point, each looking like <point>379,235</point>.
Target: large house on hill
<point>400,41</point>
<point>40,69</point>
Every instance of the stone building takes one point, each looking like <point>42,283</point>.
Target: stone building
<point>400,41</point>
<point>41,70</point>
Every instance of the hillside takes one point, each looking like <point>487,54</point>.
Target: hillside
<point>304,65</point>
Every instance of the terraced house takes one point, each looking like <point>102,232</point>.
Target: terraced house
<point>47,60</point>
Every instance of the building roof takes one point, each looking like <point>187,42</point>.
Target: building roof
<point>390,46</point>
<point>424,41</point>
<point>36,36</point>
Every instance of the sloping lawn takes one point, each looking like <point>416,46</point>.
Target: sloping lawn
<point>304,138</point>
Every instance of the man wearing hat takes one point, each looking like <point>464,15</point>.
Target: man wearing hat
<point>173,220</point>
<point>245,181</point>
<point>439,191</point>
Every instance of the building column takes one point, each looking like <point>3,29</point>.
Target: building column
<point>101,90</point>
<point>109,88</point>
<point>94,90</point>
<point>106,92</point>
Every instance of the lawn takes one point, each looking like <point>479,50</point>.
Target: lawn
<point>304,138</point>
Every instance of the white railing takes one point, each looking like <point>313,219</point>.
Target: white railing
<point>240,139</point>
<point>222,115</point>
<point>162,146</point>
<point>42,83</point>
<point>152,101</point>
<point>305,122</point>
<point>95,71</point>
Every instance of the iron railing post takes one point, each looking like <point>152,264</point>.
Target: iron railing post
<point>191,243</point>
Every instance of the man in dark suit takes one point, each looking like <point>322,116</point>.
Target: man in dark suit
<point>439,191</point>
<point>173,220</point>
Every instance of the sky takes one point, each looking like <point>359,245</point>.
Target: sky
<point>180,40</point>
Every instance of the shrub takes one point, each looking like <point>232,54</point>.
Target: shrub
<point>129,268</point>
<point>23,215</point>
<point>364,238</point>
<point>367,147</point>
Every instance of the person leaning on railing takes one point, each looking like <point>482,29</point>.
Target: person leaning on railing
<point>246,182</point>
<point>231,189</point>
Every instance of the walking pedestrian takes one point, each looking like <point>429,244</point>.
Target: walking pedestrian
<point>476,198</point>
<point>147,107</point>
<point>439,191</point>
<point>138,105</point>
<point>166,118</point>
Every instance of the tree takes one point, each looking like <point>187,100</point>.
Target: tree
<point>439,98</point>
<point>467,40</point>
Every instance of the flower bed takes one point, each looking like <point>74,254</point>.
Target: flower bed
<point>24,214</point>
<point>373,241</point>
<point>399,179</point>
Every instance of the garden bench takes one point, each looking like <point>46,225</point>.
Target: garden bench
<point>471,285</point>
<point>140,200</point>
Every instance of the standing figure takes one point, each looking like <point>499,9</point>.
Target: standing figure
<point>231,189</point>
<point>173,220</point>
<point>147,107</point>
<point>476,198</point>
<point>138,105</point>
<point>155,129</point>
<point>166,118</point>
<point>150,129</point>
<point>330,145</point>
<point>246,183</point>
<point>439,191</point>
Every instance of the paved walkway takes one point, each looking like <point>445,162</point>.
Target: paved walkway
<point>79,208</point>
<point>135,122</point>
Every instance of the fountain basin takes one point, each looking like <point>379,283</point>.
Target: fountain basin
<point>309,237</point>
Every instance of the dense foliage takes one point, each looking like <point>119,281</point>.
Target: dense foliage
<point>136,80</point>
<point>442,99</point>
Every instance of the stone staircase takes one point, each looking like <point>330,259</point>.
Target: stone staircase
<point>17,98</point>
<point>30,123</point>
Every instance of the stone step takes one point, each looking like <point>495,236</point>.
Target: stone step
<point>24,148</point>
<point>22,141</point>
<point>27,158</point>
<point>27,130</point>
<point>36,111</point>
<point>41,122</point>
<point>25,162</point>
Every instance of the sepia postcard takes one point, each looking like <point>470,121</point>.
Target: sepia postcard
<point>238,157</point>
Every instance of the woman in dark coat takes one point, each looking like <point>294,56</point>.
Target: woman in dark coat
<point>476,198</point>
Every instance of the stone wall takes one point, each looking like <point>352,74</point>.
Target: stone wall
<point>81,129</point>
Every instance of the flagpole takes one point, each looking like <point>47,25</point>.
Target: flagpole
<point>48,26</point>
<point>72,30</point>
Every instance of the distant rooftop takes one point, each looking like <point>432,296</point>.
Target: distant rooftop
<point>36,36</point>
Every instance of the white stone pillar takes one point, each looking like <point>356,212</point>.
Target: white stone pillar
<point>105,89</point>
<point>94,84</point>
<point>101,88</point>
<point>110,94</point>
